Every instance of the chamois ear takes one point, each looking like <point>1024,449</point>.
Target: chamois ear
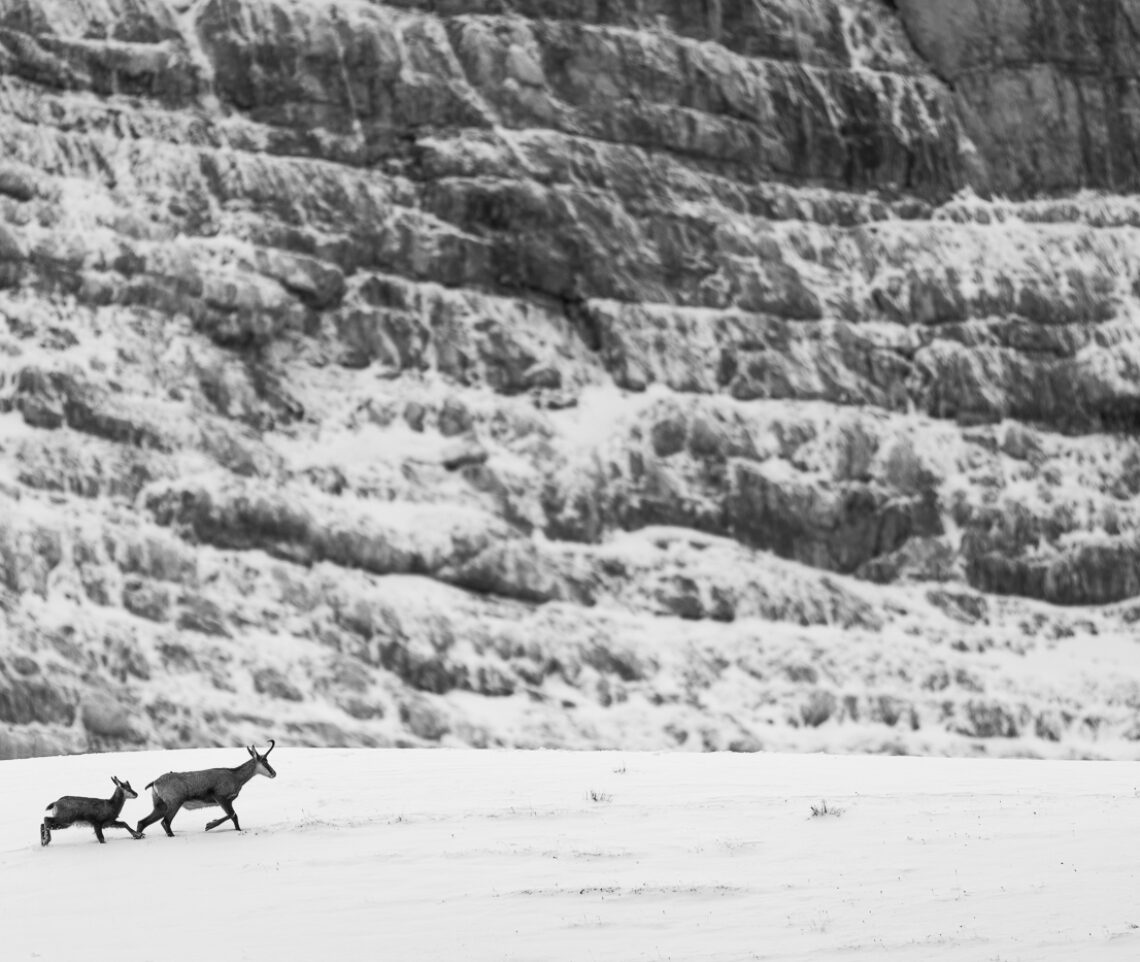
<point>115,780</point>
<point>252,752</point>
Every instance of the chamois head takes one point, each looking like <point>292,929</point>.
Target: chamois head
<point>126,787</point>
<point>263,767</point>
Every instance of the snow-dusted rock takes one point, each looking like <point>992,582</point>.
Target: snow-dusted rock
<point>659,374</point>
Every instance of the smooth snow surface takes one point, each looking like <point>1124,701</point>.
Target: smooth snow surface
<point>469,855</point>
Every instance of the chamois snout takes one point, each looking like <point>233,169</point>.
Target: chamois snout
<point>263,766</point>
<point>126,787</point>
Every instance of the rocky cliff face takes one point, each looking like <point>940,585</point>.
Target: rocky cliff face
<point>654,374</point>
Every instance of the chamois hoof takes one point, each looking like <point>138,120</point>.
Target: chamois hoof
<point>45,835</point>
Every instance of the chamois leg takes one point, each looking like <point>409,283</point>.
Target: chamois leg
<point>159,809</point>
<point>99,832</point>
<point>230,815</point>
<point>168,818</point>
<point>123,825</point>
<point>49,823</point>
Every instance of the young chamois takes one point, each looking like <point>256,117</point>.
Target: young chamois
<point>99,813</point>
<point>211,786</point>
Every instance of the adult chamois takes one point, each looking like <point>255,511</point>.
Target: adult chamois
<point>99,813</point>
<point>211,786</point>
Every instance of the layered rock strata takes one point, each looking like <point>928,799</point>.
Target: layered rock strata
<point>653,374</point>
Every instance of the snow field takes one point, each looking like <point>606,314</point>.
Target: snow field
<point>459,854</point>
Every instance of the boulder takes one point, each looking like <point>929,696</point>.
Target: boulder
<point>104,716</point>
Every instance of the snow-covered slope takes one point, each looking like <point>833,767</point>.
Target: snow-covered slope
<point>417,855</point>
